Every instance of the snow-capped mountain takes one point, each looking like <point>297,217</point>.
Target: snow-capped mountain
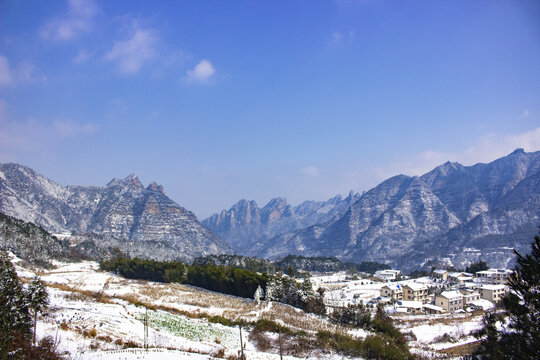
<point>138,220</point>
<point>454,214</point>
<point>245,225</point>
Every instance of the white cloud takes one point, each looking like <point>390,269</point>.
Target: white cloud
<point>81,57</point>
<point>310,170</point>
<point>339,37</point>
<point>83,8</point>
<point>69,128</point>
<point>23,73</point>
<point>202,72</point>
<point>525,113</point>
<point>20,136</point>
<point>27,72</point>
<point>131,54</point>
<point>487,149</point>
<point>78,20</point>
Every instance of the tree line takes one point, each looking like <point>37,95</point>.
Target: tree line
<point>19,307</point>
<point>223,279</point>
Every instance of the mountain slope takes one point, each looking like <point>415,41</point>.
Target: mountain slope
<point>138,220</point>
<point>246,226</point>
<point>30,242</point>
<point>453,214</point>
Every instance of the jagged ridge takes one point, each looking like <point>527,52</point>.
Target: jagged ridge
<point>138,220</point>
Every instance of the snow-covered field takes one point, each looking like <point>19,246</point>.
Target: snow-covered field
<point>97,315</point>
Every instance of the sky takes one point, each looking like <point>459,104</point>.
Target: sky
<point>226,100</point>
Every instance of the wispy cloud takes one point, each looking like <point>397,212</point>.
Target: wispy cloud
<point>22,73</point>
<point>81,57</point>
<point>69,128</point>
<point>487,149</point>
<point>202,73</point>
<point>31,135</point>
<point>340,37</point>
<point>131,54</point>
<point>525,113</point>
<point>78,20</point>
<point>310,170</point>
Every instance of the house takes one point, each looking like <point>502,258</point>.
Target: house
<point>439,274</point>
<point>459,277</point>
<point>469,295</point>
<point>493,276</point>
<point>411,307</point>
<point>415,292</point>
<point>392,291</point>
<point>493,292</point>
<point>450,301</point>
<point>387,275</point>
<point>432,309</point>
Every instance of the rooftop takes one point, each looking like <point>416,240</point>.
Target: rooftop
<point>493,286</point>
<point>451,294</point>
<point>440,271</point>
<point>416,286</point>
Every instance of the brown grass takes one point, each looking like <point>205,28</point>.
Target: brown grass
<point>82,294</point>
<point>461,350</point>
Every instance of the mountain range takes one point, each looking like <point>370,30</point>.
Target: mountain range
<point>245,225</point>
<point>452,215</point>
<point>123,214</point>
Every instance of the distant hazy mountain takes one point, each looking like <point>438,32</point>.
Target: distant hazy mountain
<point>453,214</point>
<point>245,225</point>
<point>138,220</point>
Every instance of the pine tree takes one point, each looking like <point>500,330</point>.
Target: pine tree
<point>521,338</point>
<point>15,318</point>
<point>269,291</point>
<point>37,298</point>
<point>307,287</point>
<point>380,313</point>
<point>258,295</point>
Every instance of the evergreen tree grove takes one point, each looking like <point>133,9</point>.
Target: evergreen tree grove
<point>15,318</point>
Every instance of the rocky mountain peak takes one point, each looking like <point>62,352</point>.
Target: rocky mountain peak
<point>131,181</point>
<point>518,151</point>
<point>155,187</point>
<point>123,214</point>
<point>275,209</point>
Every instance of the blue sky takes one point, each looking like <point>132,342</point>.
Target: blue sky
<point>223,100</point>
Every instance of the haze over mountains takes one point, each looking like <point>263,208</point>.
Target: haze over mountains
<point>245,225</point>
<point>453,214</point>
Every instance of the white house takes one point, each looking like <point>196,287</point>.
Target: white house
<point>450,301</point>
<point>393,291</point>
<point>387,275</point>
<point>493,292</point>
<point>415,292</point>
<point>493,276</point>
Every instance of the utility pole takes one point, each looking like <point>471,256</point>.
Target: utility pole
<point>146,329</point>
<point>280,347</point>
<point>242,357</point>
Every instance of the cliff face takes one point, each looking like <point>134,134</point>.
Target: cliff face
<point>138,220</point>
<point>246,226</point>
<point>454,214</point>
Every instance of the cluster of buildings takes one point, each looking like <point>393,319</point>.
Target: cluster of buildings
<point>447,291</point>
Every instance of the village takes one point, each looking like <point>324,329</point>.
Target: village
<point>443,292</point>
